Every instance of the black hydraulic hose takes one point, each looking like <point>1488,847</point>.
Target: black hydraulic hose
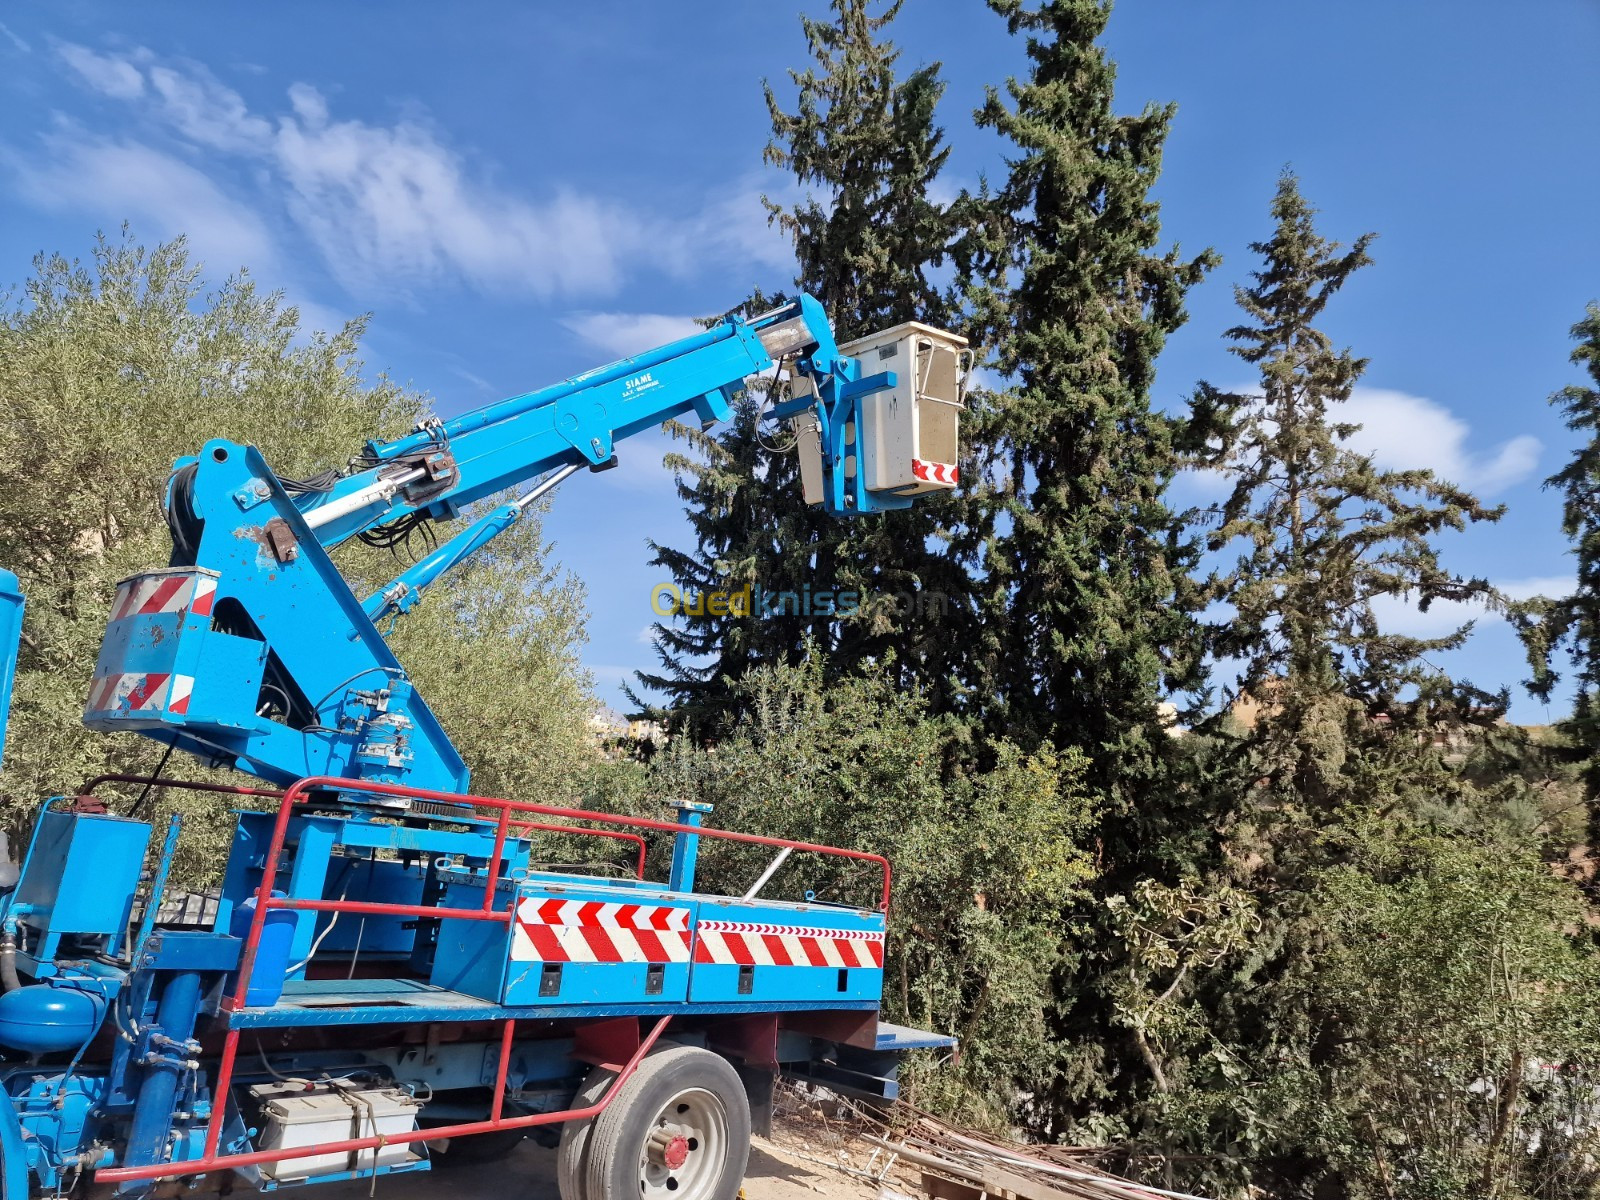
<point>8,963</point>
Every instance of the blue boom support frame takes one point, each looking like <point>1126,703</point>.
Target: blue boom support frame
<point>252,652</point>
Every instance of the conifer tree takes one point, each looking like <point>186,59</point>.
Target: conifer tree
<point>1088,612</point>
<point>1342,752</point>
<point>865,147</point>
<point>1323,532</point>
<point>1087,621</point>
<point>1572,623</point>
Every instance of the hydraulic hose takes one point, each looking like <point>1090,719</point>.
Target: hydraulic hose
<point>8,962</point>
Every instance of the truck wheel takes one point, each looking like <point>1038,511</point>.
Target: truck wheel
<point>680,1127</point>
<point>571,1157</point>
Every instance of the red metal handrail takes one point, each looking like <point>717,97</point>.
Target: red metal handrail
<point>548,827</point>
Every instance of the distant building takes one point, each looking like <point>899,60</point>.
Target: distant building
<point>607,727</point>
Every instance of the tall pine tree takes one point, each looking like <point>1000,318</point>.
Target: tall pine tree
<point>1324,533</point>
<point>1087,622</point>
<point>865,148</point>
<point>1571,624</point>
<point>1088,609</point>
<point>1342,758</point>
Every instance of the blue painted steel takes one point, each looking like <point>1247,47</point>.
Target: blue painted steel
<point>41,1019</point>
<point>191,950</point>
<point>494,961</point>
<point>898,1038</point>
<point>289,677</point>
<point>403,592</point>
<point>11,609</point>
<point>80,877</point>
<point>53,1115</point>
<point>158,885</point>
<point>820,987</point>
<point>13,1151</point>
<point>686,846</point>
<point>335,1002</point>
<point>163,1067</point>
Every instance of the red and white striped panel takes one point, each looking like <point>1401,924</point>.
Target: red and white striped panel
<point>748,943</point>
<point>164,592</point>
<point>934,472</point>
<point>587,931</point>
<point>140,692</point>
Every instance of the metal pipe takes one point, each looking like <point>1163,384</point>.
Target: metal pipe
<point>547,827</point>
<point>406,588</point>
<point>379,489</point>
<point>772,869</point>
<point>152,1111</point>
<point>301,788</point>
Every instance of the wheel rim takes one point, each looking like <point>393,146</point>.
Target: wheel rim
<point>684,1152</point>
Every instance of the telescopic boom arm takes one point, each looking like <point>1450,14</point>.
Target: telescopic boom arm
<point>250,649</point>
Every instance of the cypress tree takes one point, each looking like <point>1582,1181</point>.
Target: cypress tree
<point>1087,615</point>
<point>868,237</point>
<point>1088,608</point>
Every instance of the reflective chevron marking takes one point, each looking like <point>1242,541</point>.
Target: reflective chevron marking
<point>748,943</point>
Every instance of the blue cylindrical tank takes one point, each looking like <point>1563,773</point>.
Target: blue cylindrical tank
<point>41,1019</point>
<point>272,952</point>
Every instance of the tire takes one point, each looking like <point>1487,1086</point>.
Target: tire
<point>571,1156</point>
<point>680,1128</point>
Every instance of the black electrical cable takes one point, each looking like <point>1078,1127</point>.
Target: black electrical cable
<point>149,783</point>
<point>322,481</point>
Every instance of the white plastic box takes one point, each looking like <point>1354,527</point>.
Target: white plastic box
<point>292,1116</point>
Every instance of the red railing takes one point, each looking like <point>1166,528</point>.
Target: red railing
<point>265,901</point>
<point>194,785</point>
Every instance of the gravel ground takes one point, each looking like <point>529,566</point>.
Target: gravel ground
<point>778,1171</point>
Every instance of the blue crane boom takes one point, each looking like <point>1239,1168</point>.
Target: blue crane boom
<point>251,651</point>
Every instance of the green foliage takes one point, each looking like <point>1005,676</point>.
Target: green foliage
<point>1087,613</point>
<point>1321,533</point>
<point>1572,623</point>
<point>1456,994</point>
<point>987,860</point>
<point>869,240</point>
<point>114,368</point>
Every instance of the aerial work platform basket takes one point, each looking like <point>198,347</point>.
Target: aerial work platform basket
<point>909,434</point>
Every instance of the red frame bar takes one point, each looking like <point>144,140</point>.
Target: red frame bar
<point>212,1161</point>
<point>265,900</point>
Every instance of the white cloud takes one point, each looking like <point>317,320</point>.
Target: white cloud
<point>155,190</point>
<point>207,112</point>
<point>115,77</point>
<point>392,201</point>
<point>626,334</point>
<point>15,40</point>
<point>1404,432</point>
<point>393,205</point>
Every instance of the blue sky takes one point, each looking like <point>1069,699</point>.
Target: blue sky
<point>520,192</point>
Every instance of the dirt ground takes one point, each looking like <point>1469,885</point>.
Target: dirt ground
<point>780,1169</point>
